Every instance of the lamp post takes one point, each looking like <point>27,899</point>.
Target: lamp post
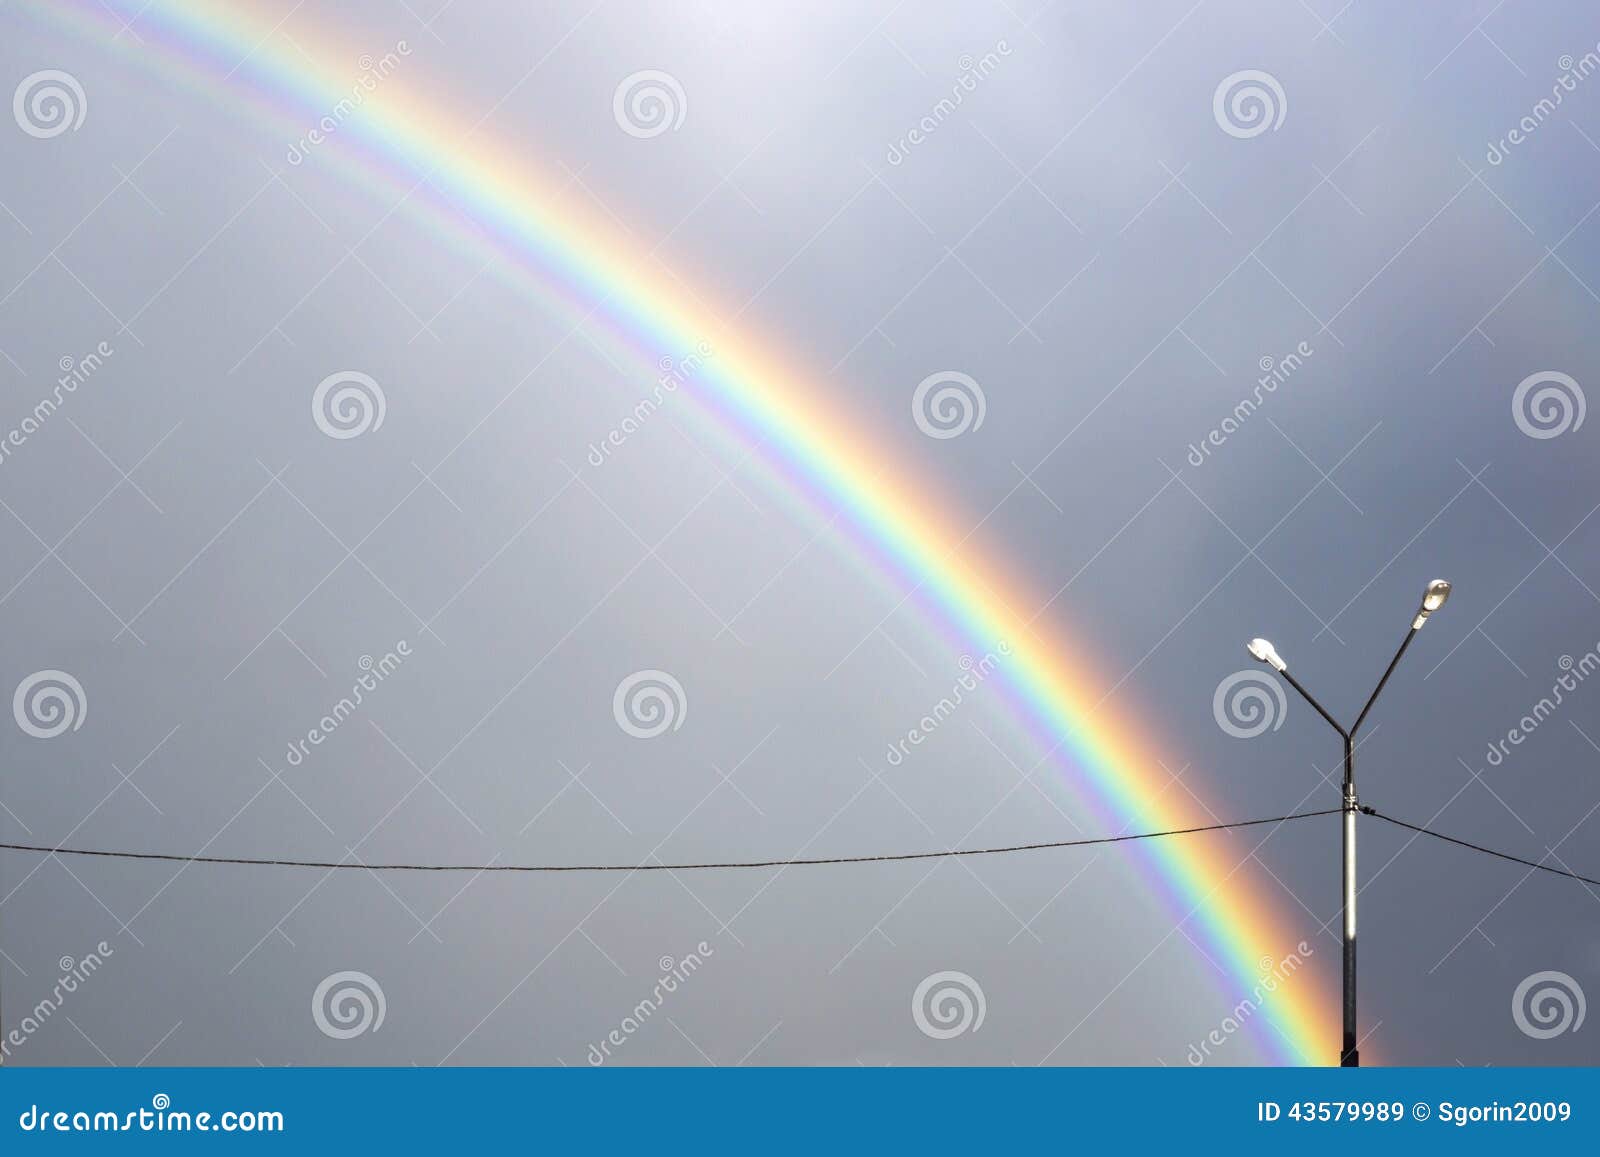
<point>1260,649</point>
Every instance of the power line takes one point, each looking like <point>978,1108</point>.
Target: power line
<point>1007,849</point>
<point>1480,848</point>
<point>791,863</point>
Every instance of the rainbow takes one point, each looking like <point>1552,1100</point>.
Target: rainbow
<point>400,140</point>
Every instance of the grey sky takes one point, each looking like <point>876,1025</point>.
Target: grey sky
<point>1080,235</point>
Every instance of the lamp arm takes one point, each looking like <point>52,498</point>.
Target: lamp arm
<point>1309,698</point>
<point>1393,663</point>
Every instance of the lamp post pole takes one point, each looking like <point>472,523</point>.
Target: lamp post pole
<point>1349,1054</point>
<point>1433,598</point>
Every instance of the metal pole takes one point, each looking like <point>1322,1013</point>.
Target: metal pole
<point>1349,1055</point>
<point>1434,598</point>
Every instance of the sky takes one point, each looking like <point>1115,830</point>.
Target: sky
<point>1194,321</point>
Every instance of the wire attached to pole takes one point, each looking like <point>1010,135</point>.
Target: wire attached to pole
<point>356,865</point>
<point>1376,814</point>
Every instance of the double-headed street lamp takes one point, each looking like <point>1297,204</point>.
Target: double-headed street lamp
<point>1432,599</point>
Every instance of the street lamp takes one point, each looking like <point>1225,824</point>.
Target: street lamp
<point>1264,652</point>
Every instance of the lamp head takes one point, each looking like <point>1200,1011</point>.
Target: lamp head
<point>1264,652</point>
<point>1432,599</point>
